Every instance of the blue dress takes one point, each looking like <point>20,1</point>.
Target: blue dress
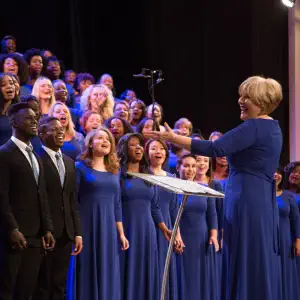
<point>25,90</point>
<point>251,268</point>
<point>74,147</point>
<point>289,230</point>
<point>76,114</point>
<point>218,256</point>
<point>139,264</point>
<point>223,183</point>
<point>172,163</point>
<point>169,208</point>
<point>297,196</point>
<point>98,265</point>
<point>195,265</point>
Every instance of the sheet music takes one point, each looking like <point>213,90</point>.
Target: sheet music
<point>179,186</point>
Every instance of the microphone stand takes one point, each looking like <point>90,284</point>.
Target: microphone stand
<point>145,74</point>
<point>151,85</point>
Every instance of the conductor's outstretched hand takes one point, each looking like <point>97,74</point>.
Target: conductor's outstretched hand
<point>167,135</point>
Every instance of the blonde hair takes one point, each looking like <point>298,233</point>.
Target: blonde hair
<point>106,109</point>
<point>70,127</point>
<point>266,93</point>
<point>182,120</point>
<point>111,160</point>
<point>36,90</point>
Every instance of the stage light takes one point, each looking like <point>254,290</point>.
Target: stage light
<point>289,3</point>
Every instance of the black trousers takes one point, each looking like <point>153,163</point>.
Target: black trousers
<point>53,272</point>
<point>18,271</point>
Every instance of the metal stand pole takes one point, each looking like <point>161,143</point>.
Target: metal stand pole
<point>170,249</point>
<point>151,90</point>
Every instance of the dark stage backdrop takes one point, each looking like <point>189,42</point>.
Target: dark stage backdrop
<point>205,50</point>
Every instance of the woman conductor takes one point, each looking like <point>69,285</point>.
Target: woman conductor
<point>251,222</point>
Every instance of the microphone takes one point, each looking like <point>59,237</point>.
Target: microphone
<point>141,76</point>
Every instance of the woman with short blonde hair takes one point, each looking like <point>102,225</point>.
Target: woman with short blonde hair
<point>44,92</point>
<point>251,216</point>
<point>98,98</point>
<point>266,93</point>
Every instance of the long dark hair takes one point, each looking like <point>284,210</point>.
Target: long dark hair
<point>214,161</point>
<point>22,66</point>
<point>182,158</point>
<point>122,152</point>
<point>214,165</point>
<point>127,127</point>
<point>287,172</point>
<point>143,107</point>
<point>142,124</point>
<point>2,99</point>
<point>18,80</point>
<point>209,173</point>
<point>165,146</point>
<point>151,108</point>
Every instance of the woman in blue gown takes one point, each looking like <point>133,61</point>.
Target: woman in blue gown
<point>289,222</point>
<point>204,177</point>
<point>98,266</point>
<point>292,184</point>
<point>219,164</point>
<point>220,172</point>
<point>157,154</point>
<point>7,98</point>
<point>198,225</point>
<point>141,211</point>
<point>251,266</point>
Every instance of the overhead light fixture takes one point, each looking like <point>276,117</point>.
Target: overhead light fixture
<point>289,3</point>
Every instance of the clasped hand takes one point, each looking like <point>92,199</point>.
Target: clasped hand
<point>17,240</point>
<point>178,243</point>
<point>48,241</point>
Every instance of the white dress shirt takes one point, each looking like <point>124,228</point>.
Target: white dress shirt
<point>22,146</point>
<point>52,154</point>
